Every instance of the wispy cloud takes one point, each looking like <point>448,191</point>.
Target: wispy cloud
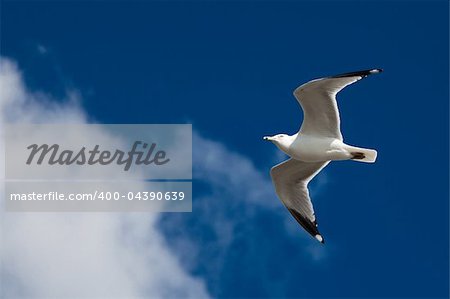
<point>41,49</point>
<point>84,255</point>
<point>238,222</point>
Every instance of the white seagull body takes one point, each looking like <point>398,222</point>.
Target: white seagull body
<point>318,142</point>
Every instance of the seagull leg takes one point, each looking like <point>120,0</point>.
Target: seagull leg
<point>357,155</point>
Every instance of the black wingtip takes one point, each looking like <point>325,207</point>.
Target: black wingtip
<point>363,73</point>
<point>310,227</point>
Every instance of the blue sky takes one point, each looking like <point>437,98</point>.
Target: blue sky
<point>229,68</point>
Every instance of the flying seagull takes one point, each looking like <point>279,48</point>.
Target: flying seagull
<point>318,142</point>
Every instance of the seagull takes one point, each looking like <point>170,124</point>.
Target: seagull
<point>318,142</point>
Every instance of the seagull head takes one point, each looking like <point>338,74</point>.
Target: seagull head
<point>276,138</point>
<point>282,141</point>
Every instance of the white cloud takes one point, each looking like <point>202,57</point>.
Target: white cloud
<point>225,169</point>
<point>80,255</point>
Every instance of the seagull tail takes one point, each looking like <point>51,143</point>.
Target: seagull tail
<point>363,154</point>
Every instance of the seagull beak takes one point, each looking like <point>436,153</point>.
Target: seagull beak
<point>267,138</point>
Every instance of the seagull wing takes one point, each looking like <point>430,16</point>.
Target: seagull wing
<point>291,179</point>
<point>318,101</point>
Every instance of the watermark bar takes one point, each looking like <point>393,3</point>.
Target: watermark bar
<point>98,168</point>
<point>119,196</point>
